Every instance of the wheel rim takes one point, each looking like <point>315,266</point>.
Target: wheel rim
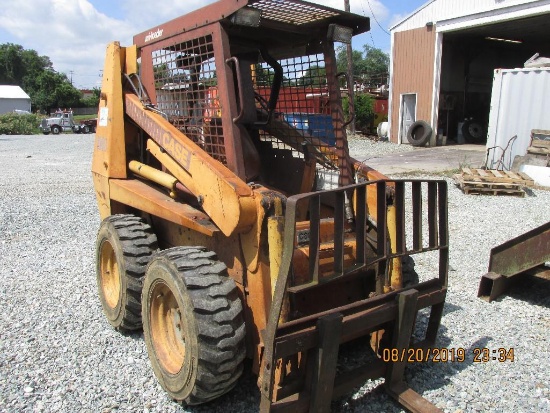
<point>166,329</point>
<point>475,131</point>
<point>110,276</point>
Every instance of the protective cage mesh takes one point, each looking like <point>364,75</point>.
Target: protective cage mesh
<point>289,12</point>
<point>187,92</point>
<point>186,88</point>
<point>303,111</point>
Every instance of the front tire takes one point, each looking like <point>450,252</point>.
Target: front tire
<point>193,324</point>
<point>124,247</point>
<point>56,129</point>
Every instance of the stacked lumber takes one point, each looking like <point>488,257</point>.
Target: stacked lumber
<point>540,142</point>
<point>492,182</point>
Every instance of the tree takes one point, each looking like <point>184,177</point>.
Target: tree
<point>35,75</point>
<point>53,90</point>
<point>12,68</point>
<point>313,76</point>
<point>364,110</point>
<point>92,101</point>
<point>376,61</point>
<point>264,75</point>
<point>372,69</point>
<point>374,64</point>
<point>358,62</point>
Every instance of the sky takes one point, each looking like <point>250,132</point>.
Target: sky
<point>74,33</point>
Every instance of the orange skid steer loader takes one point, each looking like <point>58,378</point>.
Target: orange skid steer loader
<point>235,223</point>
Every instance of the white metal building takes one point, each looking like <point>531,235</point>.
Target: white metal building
<point>13,98</point>
<point>444,55</point>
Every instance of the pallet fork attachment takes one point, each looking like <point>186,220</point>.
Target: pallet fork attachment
<point>316,339</point>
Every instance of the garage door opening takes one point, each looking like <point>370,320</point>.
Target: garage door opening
<point>468,61</point>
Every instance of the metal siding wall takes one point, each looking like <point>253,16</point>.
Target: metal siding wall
<point>450,9</point>
<point>9,105</point>
<point>413,68</point>
<point>520,102</point>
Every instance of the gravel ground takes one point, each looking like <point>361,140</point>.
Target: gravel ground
<point>58,353</point>
<point>364,149</point>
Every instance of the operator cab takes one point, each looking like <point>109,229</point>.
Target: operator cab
<point>258,89</point>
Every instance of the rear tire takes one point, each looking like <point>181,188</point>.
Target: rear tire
<point>85,129</point>
<point>193,324</point>
<point>419,133</point>
<point>124,247</point>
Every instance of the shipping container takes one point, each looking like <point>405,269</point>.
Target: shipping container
<point>520,102</point>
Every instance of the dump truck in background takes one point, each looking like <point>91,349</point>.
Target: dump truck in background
<point>231,229</point>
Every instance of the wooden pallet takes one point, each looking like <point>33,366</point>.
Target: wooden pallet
<point>492,175</point>
<point>493,182</point>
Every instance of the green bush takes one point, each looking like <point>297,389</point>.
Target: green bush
<point>364,110</point>
<point>14,124</point>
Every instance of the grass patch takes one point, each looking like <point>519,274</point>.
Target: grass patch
<point>78,118</point>
<point>449,173</point>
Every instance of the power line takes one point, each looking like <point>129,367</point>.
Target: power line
<point>372,38</point>
<point>370,31</point>
<point>374,17</point>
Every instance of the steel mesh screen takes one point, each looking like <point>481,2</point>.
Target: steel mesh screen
<point>186,91</point>
<point>289,12</point>
<point>303,113</point>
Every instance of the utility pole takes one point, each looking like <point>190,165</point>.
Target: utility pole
<point>71,72</point>
<point>350,74</point>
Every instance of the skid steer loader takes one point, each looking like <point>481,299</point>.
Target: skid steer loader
<point>235,222</point>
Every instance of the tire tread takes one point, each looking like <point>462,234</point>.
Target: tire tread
<point>218,313</point>
<point>138,242</point>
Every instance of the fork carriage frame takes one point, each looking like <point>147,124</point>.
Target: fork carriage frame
<point>320,335</point>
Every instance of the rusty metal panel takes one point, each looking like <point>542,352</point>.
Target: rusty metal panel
<point>191,21</point>
<point>291,13</point>
<point>515,257</point>
<point>521,253</point>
